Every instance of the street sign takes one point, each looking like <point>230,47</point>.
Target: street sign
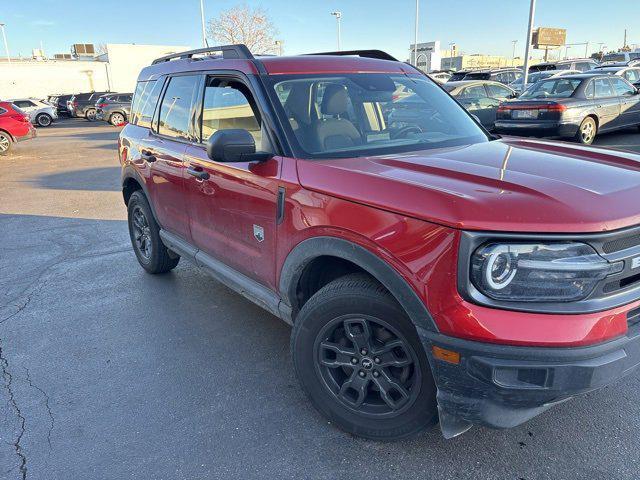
<point>545,37</point>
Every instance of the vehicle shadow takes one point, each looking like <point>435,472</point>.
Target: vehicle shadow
<point>97,179</point>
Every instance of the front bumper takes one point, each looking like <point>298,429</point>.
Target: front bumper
<point>536,129</point>
<point>99,114</point>
<point>503,386</point>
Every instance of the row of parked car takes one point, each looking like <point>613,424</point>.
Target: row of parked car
<point>112,107</point>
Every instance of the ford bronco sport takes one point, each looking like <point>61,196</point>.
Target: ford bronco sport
<point>430,271</point>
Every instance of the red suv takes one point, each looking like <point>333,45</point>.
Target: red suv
<point>15,126</point>
<point>430,270</point>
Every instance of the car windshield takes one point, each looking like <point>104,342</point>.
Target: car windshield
<point>552,88</point>
<point>348,115</point>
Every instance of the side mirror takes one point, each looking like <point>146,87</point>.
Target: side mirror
<point>234,145</point>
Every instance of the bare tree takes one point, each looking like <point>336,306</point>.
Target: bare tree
<point>242,24</point>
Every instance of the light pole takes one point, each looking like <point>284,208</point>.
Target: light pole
<point>338,16</point>
<point>204,34</point>
<point>415,36</point>
<point>513,53</point>
<point>6,45</point>
<point>279,47</point>
<point>532,13</point>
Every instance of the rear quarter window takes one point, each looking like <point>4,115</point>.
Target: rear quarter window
<point>145,99</point>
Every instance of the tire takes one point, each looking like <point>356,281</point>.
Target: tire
<point>144,232</point>
<point>358,304</point>
<point>116,119</point>
<point>6,143</point>
<point>90,114</point>
<point>587,131</point>
<point>44,120</point>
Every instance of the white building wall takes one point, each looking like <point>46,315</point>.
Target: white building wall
<point>126,61</point>
<point>39,79</point>
<point>119,74</point>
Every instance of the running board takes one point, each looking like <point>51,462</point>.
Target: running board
<point>236,281</point>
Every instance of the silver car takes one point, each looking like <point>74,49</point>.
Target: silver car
<point>40,113</point>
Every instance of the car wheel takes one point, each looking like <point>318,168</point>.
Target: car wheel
<point>587,131</point>
<point>360,361</point>
<point>90,114</point>
<point>116,119</point>
<point>5,143</point>
<point>43,120</point>
<point>152,254</point>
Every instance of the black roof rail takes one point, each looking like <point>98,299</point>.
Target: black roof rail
<point>379,54</point>
<point>228,52</point>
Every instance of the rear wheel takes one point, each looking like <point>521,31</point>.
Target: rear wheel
<point>90,114</point>
<point>152,254</point>
<point>116,119</point>
<point>5,143</point>
<point>43,120</point>
<point>587,131</point>
<point>359,359</point>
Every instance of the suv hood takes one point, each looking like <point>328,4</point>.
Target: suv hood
<point>511,184</point>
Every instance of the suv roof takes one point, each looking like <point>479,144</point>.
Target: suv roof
<point>239,58</point>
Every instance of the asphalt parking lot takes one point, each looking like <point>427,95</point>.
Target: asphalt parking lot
<point>110,373</point>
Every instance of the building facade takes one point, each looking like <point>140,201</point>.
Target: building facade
<point>427,57</point>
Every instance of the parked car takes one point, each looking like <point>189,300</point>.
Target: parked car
<point>114,108</point>
<point>60,102</point>
<point>429,270</point>
<point>621,57</point>
<point>580,64</point>
<point>459,75</point>
<point>440,77</point>
<point>83,104</point>
<point>481,98</point>
<point>631,74</point>
<point>537,76</point>
<point>502,75</point>
<point>40,113</point>
<point>15,126</point>
<point>573,106</point>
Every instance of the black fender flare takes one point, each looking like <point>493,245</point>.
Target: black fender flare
<point>129,172</point>
<point>307,250</point>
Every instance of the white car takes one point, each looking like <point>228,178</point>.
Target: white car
<point>40,113</point>
<point>440,77</point>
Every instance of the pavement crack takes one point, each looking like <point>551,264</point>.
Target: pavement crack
<point>7,381</point>
<point>46,404</point>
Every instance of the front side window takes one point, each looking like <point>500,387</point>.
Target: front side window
<point>622,88</point>
<point>603,88</point>
<point>632,75</point>
<point>475,91</point>
<point>370,114</point>
<point>175,109</point>
<point>228,104</point>
<point>552,88</point>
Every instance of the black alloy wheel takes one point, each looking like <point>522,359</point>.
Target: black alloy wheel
<point>141,233</point>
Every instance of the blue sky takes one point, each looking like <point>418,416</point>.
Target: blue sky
<point>476,26</point>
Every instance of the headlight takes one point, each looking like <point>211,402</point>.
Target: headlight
<point>551,272</point>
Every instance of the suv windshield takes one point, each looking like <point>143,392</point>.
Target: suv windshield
<point>553,88</point>
<point>371,114</point>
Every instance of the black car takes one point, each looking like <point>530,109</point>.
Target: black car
<point>502,75</point>
<point>459,75</point>
<point>83,104</point>
<point>575,106</point>
<point>481,98</point>
<point>60,102</point>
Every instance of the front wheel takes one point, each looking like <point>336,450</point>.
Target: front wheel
<point>43,120</point>
<point>587,131</point>
<point>360,361</point>
<point>152,254</point>
<point>90,114</point>
<point>5,143</point>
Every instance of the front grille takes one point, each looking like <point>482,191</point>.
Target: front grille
<point>622,283</point>
<point>621,244</point>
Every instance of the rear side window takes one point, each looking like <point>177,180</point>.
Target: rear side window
<point>175,109</point>
<point>603,88</point>
<point>145,100</point>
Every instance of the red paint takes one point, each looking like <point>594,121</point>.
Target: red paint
<point>408,209</point>
<point>15,123</point>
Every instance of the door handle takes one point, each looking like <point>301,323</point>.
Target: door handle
<point>198,172</point>
<point>147,156</point>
